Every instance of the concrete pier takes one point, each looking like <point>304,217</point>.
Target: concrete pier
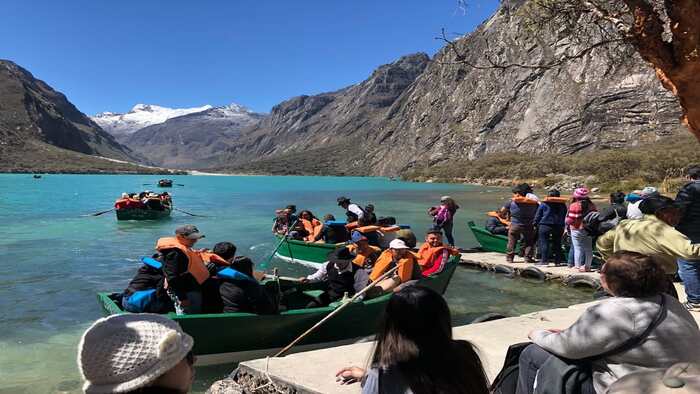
<point>491,261</point>
<point>314,371</point>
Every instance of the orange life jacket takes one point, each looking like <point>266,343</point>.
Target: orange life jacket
<point>494,214</point>
<point>121,203</point>
<point>361,258</point>
<point>518,199</point>
<point>373,228</point>
<point>195,260</point>
<point>383,263</point>
<point>562,200</point>
<point>313,227</point>
<point>428,256</point>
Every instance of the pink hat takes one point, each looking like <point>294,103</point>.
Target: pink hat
<point>581,192</point>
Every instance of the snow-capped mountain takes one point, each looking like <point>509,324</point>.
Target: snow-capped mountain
<point>140,116</point>
<point>188,141</point>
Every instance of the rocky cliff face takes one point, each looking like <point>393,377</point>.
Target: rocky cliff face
<point>336,121</point>
<point>415,113</point>
<point>36,118</point>
<point>190,141</point>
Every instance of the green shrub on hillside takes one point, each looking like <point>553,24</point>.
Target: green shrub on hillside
<point>626,168</point>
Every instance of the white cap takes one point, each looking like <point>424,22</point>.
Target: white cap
<point>398,244</point>
<point>122,353</point>
<point>124,195</point>
<point>444,198</point>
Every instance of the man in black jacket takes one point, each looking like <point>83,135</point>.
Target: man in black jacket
<point>242,294</point>
<point>689,271</point>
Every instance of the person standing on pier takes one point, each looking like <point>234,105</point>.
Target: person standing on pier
<point>689,225</point>
<point>581,240</point>
<point>550,222</point>
<point>444,215</point>
<point>522,223</point>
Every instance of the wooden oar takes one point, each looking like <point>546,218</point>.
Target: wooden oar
<point>191,214</point>
<point>335,312</point>
<point>284,238</point>
<point>100,213</point>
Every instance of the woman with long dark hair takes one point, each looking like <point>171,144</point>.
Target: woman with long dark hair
<point>415,352</point>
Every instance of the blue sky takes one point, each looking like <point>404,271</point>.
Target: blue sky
<point>110,55</point>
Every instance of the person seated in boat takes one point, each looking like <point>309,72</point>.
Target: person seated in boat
<point>638,328</point>
<point>136,353</point>
<point>153,201</point>
<point>433,255</point>
<point>281,224</point>
<point>373,232</point>
<point>238,289</point>
<point>416,353</point>
<point>352,211</point>
<point>185,268</point>
<point>339,273</point>
<point>398,255</point>
<point>365,257</point>
<point>166,199</point>
<point>146,292</point>
<point>498,222</point>
<point>333,232</point>
<point>312,226</point>
<point>122,202</point>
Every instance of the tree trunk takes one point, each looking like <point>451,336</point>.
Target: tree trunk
<point>677,63</point>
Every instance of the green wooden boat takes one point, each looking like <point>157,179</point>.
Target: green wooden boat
<point>142,214</point>
<point>489,242</point>
<point>307,253</point>
<point>233,337</point>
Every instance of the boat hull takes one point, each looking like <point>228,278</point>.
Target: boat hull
<point>489,242</point>
<point>307,253</point>
<point>142,214</point>
<point>228,337</point>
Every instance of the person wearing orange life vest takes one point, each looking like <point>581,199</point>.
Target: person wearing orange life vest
<point>434,254</point>
<point>365,255</point>
<point>186,269</point>
<point>122,202</point>
<point>498,222</point>
<point>312,226</point>
<point>399,255</point>
<point>373,232</point>
<point>522,211</point>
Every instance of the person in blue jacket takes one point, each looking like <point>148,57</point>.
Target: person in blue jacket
<point>549,220</point>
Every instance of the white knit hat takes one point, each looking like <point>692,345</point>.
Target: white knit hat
<point>121,353</point>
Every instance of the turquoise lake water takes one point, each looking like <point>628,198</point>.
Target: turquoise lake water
<point>54,259</point>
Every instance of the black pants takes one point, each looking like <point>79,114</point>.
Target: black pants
<point>531,359</point>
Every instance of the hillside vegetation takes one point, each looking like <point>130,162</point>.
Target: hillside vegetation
<point>661,163</point>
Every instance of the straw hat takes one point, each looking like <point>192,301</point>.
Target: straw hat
<point>122,353</point>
